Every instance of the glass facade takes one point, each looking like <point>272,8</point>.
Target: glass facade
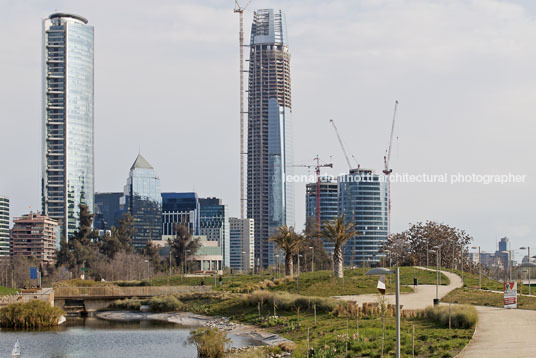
<point>364,200</point>
<point>107,210</point>
<point>180,208</point>
<point>4,226</point>
<point>143,200</point>
<point>214,224</point>
<point>68,119</point>
<point>329,204</point>
<point>270,199</point>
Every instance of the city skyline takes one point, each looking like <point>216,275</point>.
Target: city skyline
<point>487,132</point>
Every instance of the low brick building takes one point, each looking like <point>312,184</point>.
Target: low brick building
<point>34,235</point>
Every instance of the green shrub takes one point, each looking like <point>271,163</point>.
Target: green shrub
<point>33,314</point>
<point>165,304</point>
<point>461,316</point>
<point>210,342</point>
<point>129,304</point>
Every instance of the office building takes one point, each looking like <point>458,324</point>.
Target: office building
<point>242,244</point>
<point>179,208</point>
<point>214,224</point>
<point>35,235</point>
<point>4,226</point>
<point>364,200</point>
<point>107,210</point>
<point>143,200</point>
<point>329,204</point>
<point>67,119</point>
<point>207,259</point>
<point>270,198</point>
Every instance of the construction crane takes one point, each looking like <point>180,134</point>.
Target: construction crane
<point>341,143</point>
<point>240,11</point>
<point>387,170</point>
<point>387,156</point>
<point>317,172</point>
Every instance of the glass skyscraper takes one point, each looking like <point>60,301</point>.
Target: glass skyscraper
<point>67,118</point>
<point>180,208</point>
<point>214,224</point>
<point>4,226</point>
<point>107,210</point>
<point>364,200</point>
<point>270,199</point>
<point>143,200</point>
<point>329,204</point>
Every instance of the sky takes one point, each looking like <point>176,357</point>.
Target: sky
<point>167,85</point>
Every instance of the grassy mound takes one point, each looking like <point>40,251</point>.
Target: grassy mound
<point>156,304</point>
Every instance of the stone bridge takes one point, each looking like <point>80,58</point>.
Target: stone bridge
<point>87,300</point>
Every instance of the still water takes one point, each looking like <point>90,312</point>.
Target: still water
<point>95,338</point>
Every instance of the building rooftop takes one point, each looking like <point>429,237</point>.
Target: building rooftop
<point>141,163</point>
<point>63,14</point>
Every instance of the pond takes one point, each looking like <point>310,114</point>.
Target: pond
<point>93,337</point>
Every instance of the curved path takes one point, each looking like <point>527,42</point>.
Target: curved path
<point>502,333</point>
<point>422,297</point>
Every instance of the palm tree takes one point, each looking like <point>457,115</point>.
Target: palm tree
<point>289,241</point>
<point>338,232</point>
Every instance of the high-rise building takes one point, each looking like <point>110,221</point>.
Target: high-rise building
<point>242,244</point>
<point>214,224</point>
<point>180,208</point>
<point>4,226</point>
<point>143,200</point>
<point>329,204</point>
<point>364,200</point>
<point>35,235</point>
<point>107,210</point>
<point>67,118</point>
<point>270,198</point>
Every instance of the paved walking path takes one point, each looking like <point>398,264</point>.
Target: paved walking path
<point>422,297</point>
<point>503,333</point>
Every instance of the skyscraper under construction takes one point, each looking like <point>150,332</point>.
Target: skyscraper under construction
<point>270,198</point>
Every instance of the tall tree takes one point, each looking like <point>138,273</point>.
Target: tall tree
<point>338,232</point>
<point>288,241</point>
<point>322,260</point>
<point>183,243</point>
<point>120,238</point>
<point>411,246</point>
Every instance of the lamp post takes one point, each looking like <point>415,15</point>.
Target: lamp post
<point>312,259</point>
<point>528,257</point>
<point>509,263</point>
<point>436,301</point>
<point>479,267</point>
<point>147,262</point>
<point>380,271</point>
<point>438,249</point>
<point>461,262</point>
<point>277,262</point>
<point>389,253</point>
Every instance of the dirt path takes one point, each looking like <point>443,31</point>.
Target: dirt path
<point>422,297</point>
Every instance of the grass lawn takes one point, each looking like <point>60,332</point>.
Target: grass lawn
<point>319,283</point>
<point>329,337</point>
<point>486,298</point>
<point>7,291</point>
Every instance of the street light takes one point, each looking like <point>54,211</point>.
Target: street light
<point>277,261</point>
<point>312,259</point>
<point>389,253</point>
<point>298,280</point>
<point>479,267</point>
<point>380,271</point>
<point>436,301</point>
<point>438,248</point>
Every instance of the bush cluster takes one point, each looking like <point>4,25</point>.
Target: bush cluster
<point>157,304</point>
<point>132,283</point>
<point>288,302</point>
<point>33,314</point>
<point>210,342</point>
<point>461,316</point>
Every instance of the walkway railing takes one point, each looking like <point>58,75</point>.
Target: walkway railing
<point>113,291</point>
